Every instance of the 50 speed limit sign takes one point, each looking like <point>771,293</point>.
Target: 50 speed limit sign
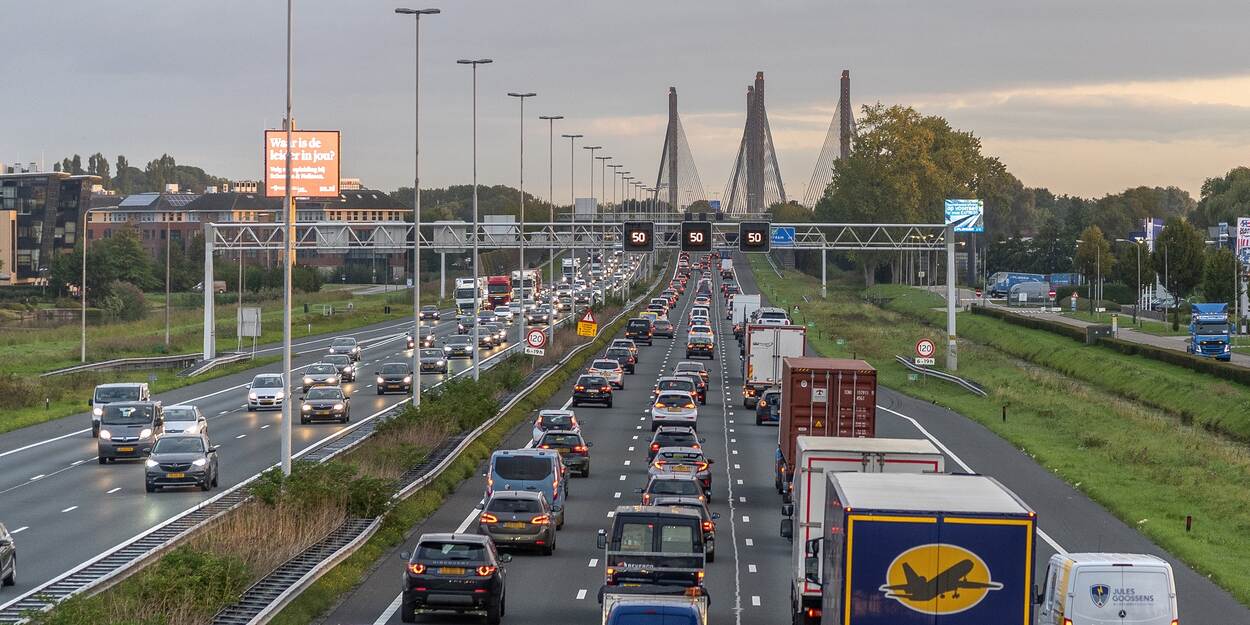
<point>924,352</point>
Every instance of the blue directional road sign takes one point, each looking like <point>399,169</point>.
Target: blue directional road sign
<point>783,236</point>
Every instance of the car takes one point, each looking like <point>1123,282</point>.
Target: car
<point>627,360</point>
<point>487,316</point>
<point>770,316</point>
<point>266,390</point>
<point>182,459</point>
<point>566,303</point>
<point>465,323</point>
<point>504,314</point>
<point>518,517</point>
<point>8,558</point>
<point>325,402</point>
<point>657,308</point>
<point>345,345</point>
<point>701,346</point>
<point>671,485</point>
<point>457,573</point>
<point>610,369</point>
<point>650,315</point>
<point>663,327</point>
<point>106,394</point>
<point>344,364</point>
<point>660,301</point>
<point>768,409</point>
<point>673,436</point>
<point>499,330</point>
<point>554,420</point>
<point>684,461</point>
<point>185,418</point>
<point>574,450</point>
<point>537,470</point>
<point>673,408</point>
<point>320,374</point>
<point>675,383</point>
<point>428,339</point>
<point>701,329</point>
<point>731,290</point>
<point>538,315</point>
<point>486,338</point>
<point>396,376</point>
<point>458,346</point>
<point>700,385</point>
<point>703,300</point>
<point>592,389</point>
<point>690,365</point>
<point>127,429</point>
<point>639,330</point>
<point>697,311</point>
<point>430,312</point>
<point>709,518</point>
<point>434,360</point>
<point>627,344</point>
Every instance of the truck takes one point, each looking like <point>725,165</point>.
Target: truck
<point>819,456</point>
<point>660,545</point>
<point>913,549</point>
<point>651,604</point>
<point>1000,283</point>
<point>726,267</point>
<point>569,268</point>
<point>822,397</point>
<point>1209,334</point>
<point>465,288</point>
<point>533,284</point>
<point>498,291</point>
<point>740,312</point>
<point>764,349</point>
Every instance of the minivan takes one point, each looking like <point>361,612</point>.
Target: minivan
<point>639,330</point>
<point>106,394</point>
<point>1107,589</point>
<point>537,470</point>
<point>127,429</point>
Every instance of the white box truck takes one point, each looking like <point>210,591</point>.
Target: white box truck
<point>726,267</point>
<point>464,294</point>
<point>740,312</point>
<point>765,347</point>
<point>816,457</point>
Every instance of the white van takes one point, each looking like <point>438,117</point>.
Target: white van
<point>1107,589</point>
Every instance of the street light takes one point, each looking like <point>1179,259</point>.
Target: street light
<point>551,195</point>
<point>521,216</point>
<point>592,149</point>
<point>603,181</point>
<point>616,169</point>
<point>288,245</point>
<point>572,194</point>
<point>416,200</point>
<point>477,293</point>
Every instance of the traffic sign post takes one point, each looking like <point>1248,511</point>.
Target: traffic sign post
<point>924,353</point>
<point>587,326</point>
<point>535,341</point>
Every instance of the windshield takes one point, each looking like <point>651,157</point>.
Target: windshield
<point>324,393</point>
<point>674,439</point>
<point>344,343</point>
<point>337,359</point>
<point>117,393</point>
<point>682,457</point>
<point>322,368</point>
<point>179,413</point>
<point>562,440</point>
<point>673,400</point>
<point>610,365</point>
<point>676,385</point>
<point>773,315</point>
<point>499,288</point>
<point>619,352</point>
<point>450,551</point>
<point>178,445</point>
<point>459,340</point>
<point>430,308</point>
<point>467,321</point>
<point>514,506</point>
<point>466,293</point>
<point>592,380</point>
<point>689,488</point>
<point>267,382</point>
<point>689,367</point>
<point>1210,328</point>
<point>522,467</point>
<point>557,422</point>
<point>128,415</point>
<point>395,367</point>
<point>431,353</point>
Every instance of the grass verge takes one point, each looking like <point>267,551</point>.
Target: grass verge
<point>1141,463</point>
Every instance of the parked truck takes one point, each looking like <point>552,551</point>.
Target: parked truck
<point>765,348</point>
<point>822,397</point>
<point>1209,335</point>
<point>913,549</point>
<point>651,604</point>
<point>818,457</point>
<point>740,312</point>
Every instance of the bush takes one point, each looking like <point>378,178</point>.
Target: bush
<point>124,301</point>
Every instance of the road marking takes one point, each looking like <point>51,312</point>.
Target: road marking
<point>735,452</point>
<point>627,463</point>
<point>264,426</point>
<point>631,447</point>
<point>611,513</point>
<point>739,482</point>
<point>635,437</point>
<point>223,412</point>
<point>755,600</point>
<point>241,436</point>
<point>749,542</point>
<point>751,568</point>
<point>737,466</point>
<point>746,519</point>
<point>19,530</point>
<point>70,509</point>
<point>390,610</point>
<point>742,500</point>
<point>733,440</point>
<point>36,477</point>
<point>77,462</point>
<point>581,594</point>
<point>622,478</point>
<point>593,563</point>
<point>616,495</point>
<point>110,492</point>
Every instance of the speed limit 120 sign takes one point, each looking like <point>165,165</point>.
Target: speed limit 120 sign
<point>536,338</point>
<point>925,348</point>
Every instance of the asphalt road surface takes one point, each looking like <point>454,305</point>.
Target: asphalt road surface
<point>748,582</point>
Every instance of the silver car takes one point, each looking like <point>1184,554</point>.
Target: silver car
<point>8,558</point>
<point>185,418</point>
<point>513,517</point>
<point>347,346</point>
<point>684,461</point>
<point>266,392</point>
<point>554,420</point>
<point>320,374</point>
<point>674,408</point>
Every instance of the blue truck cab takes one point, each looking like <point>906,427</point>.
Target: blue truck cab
<point>1209,335</point>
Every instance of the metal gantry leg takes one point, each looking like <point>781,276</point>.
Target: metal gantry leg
<point>824,274</point>
<point>952,358</point>
<point>210,324</point>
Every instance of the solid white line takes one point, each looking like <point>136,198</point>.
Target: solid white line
<point>36,477</point>
<point>19,530</point>
<point>70,509</point>
<point>264,426</point>
<point>113,491</point>
<point>390,610</point>
<point>76,463</point>
<point>581,594</point>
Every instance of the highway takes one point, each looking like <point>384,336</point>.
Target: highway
<point>748,582</point>
<point>52,488</point>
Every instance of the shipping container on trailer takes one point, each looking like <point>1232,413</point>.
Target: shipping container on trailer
<point>823,397</point>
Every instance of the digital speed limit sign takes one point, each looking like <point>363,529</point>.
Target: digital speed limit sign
<point>753,236</point>
<point>696,236</point>
<point>639,236</point>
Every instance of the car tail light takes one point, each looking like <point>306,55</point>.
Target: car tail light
<point>689,345</point>
<point>815,612</point>
<point>579,387</point>
<point>762,404</point>
<point>486,570</point>
<point>700,575</point>
<point>416,568</point>
<point>708,526</point>
<point>605,388</point>
<point>660,463</point>
<point>688,405</point>
<point>659,405</point>
<point>555,489</point>
<point>581,449</point>
<point>488,518</point>
<point>655,447</point>
<point>1067,621</point>
<point>646,498</point>
<point>702,466</point>
<point>490,485</point>
<point>544,446</point>
<point>541,519</point>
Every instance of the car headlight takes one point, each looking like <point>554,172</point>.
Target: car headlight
<point>441,362</point>
<point>280,395</point>
<point>199,462</point>
<point>381,381</point>
<point>338,406</point>
<point>305,407</point>
<point>407,379</point>
<point>251,396</point>
<point>151,464</point>
<point>333,379</point>
<point>347,369</point>
<point>446,348</point>
<point>145,433</point>
<point>307,380</point>
<point>97,411</point>
<point>105,434</point>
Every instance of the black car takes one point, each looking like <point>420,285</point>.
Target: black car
<point>454,573</point>
<point>394,376</point>
<point>672,436</point>
<point>700,385</point>
<point>768,409</point>
<point>181,460</point>
<point>700,346</point>
<point>464,325</point>
<point>430,313</point>
<point>628,360</point>
<point>325,402</point>
<point>639,330</point>
<point>344,363</point>
<point>458,347</point>
<point>427,337</point>
<point>592,389</point>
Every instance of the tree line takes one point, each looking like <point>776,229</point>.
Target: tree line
<point>126,179</point>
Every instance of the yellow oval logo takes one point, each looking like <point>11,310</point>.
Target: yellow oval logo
<point>938,579</point>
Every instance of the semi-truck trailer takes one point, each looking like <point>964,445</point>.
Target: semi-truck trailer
<point>819,456</point>
<point>913,549</point>
<point>765,348</point>
<point>822,397</point>
<point>532,285</point>
<point>569,268</point>
<point>1209,332</point>
<point>498,291</point>
<point>740,312</point>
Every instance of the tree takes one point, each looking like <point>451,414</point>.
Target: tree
<point>1179,257</point>
<point>160,172</point>
<point>1218,273</point>
<point>122,182</point>
<point>97,165</point>
<point>1130,259</point>
<point>1093,254</point>
<point>76,165</point>
<point>1224,199</point>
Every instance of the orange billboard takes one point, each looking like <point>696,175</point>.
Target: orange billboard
<point>314,163</point>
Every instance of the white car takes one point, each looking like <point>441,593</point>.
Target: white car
<point>674,408</point>
<point>565,420</point>
<point>504,313</point>
<point>699,311</point>
<point>700,321</point>
<point>266,391</point>
<point>701,329</point>
<point>185,418</point>
<point>610,369</point>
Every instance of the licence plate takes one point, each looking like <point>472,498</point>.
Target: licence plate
<point>175,476</point>
<point>125,449</point>
<point>514,525</point>
<point>563,450</point>
<point>681,468</point>
<point>451,570</point>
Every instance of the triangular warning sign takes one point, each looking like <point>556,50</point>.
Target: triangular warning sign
<point>589,317</point>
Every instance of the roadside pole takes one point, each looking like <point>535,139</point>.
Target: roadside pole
<point>952,358</point>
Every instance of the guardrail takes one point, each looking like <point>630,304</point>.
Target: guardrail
<point>267,597</point>
<point>129,364</point>
<point>941,375</point>
<point>203,366</point>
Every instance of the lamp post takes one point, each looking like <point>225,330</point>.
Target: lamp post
<point>590,254</point>
<point>168,248</point>
<point>551,194</point>
<point>616,169</point>
<point>603,197</point>
<point>521,216</point>
<point>288,245</point>
<point>572,194</point>
<point>477,293</point>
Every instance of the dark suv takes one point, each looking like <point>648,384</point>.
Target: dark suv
<point>454,573</point>
<point>592,389</point>
<point>639,330</point>
<point>628,360</point>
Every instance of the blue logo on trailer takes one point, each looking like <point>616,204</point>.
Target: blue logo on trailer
<point>966,215</point>
<point>783,236</point>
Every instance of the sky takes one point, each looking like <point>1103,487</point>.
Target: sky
<point>1085,97</point>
